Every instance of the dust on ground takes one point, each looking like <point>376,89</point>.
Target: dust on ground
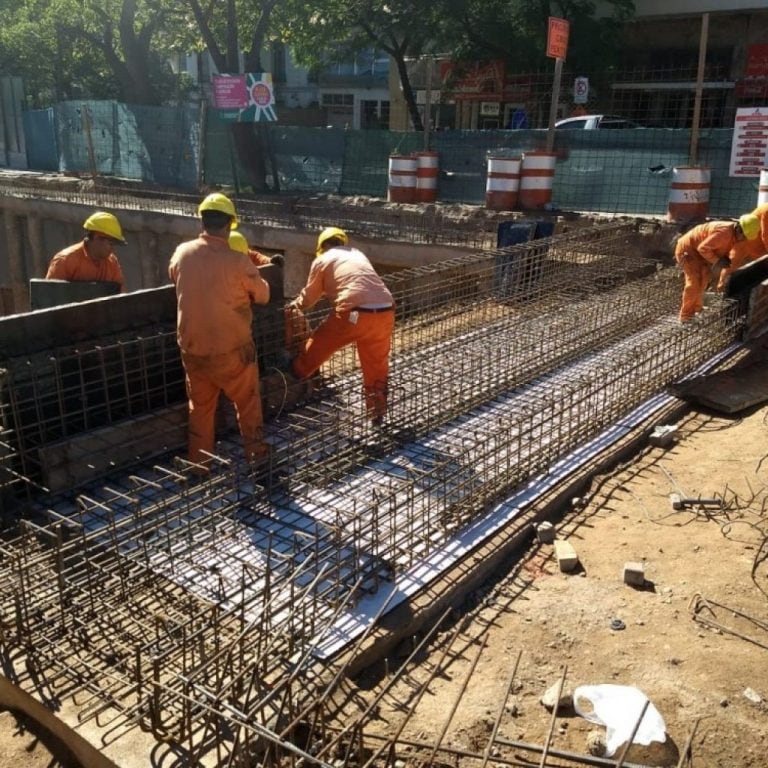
<point>689,671</point>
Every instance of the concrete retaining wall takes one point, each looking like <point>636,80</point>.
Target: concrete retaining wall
<point>33,230</point>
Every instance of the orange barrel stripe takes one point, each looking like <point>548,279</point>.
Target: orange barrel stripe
<point>502,183</point>
<point>402,179</point>
<point>427,167</point>
<point>689,193</point>
<point>537,174</point>
<point>762,194</point>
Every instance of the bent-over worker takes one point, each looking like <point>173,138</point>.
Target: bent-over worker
<point>215,287</point>
<point>702,249</point>
<point>93,257</point>
<point>363,314</point>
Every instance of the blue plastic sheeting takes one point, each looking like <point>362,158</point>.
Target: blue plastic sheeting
<point>40,133</point>
<point>160,145</point>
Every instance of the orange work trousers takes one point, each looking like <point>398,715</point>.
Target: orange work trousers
<point>372,335</point>
<point>237,376</point>
<point>697,273</point>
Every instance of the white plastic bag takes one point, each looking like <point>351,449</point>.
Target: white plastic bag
<point>618,708</point>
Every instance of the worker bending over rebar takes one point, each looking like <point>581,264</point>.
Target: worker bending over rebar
<point>363,314</point>
<point>706,249</point>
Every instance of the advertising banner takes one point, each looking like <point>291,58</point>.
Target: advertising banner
<point>247,98</point>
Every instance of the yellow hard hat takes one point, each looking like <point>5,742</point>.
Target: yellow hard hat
<point>327,234</point>
<point>750,225</point>
<point>238,243</point>
<point>221,203</point>
<point>105,224</point>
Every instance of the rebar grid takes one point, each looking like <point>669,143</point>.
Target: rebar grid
<point>396,223</point>
<point>226,568</point>
<point>195,608</point>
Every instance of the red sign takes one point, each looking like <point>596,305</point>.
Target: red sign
<point>557,37</point>
<point>230,92</point>
<point>475,81</point>
<point>757,61</point>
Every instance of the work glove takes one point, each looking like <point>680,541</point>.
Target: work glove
<point>278,260</point>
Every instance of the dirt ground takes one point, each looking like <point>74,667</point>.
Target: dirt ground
<point>690,672</point>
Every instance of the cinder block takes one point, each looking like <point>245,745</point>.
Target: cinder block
<point>634,574</point>
<point>545,532</point>
<point>566,555</point>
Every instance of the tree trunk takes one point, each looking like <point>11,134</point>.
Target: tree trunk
<point>408,95</point>
<point>251,152</point>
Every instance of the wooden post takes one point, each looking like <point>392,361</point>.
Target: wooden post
<point>694,149</point>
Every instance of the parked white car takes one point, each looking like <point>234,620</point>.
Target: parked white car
<point>593,122</point>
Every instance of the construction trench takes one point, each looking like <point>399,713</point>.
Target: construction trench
<point>150,617</point>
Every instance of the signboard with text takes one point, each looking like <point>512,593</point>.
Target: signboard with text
<point>580,90</point>
<point>749,149</point>
<point>247,98</point>
<point>557,37</point>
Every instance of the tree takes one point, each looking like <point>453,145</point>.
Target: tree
<point>95,48</point>
<point>227,29</point>
<point>516,30</point>
<point>336,29</point>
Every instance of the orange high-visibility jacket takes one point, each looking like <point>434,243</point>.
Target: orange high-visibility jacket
<point>74,263</point>
<point>346,278</point>
<point>712,241</point>
<point>215,287</point>
<point>762,214</point>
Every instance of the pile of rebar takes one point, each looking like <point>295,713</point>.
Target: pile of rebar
<point>204,610</point>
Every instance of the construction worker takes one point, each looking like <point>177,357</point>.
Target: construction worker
<point>215,287</point>
<point>237,242</point>
<point>363,313</point>
<point>706,248</point>
<point>93,257</point>
<point>761,212</point>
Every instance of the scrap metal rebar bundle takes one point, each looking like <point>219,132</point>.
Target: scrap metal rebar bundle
<point>207,611</point>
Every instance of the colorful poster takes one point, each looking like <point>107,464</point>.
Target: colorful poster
<point>247,98</point>
<point>749,149</point>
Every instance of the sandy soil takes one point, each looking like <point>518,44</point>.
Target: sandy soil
<point>689,671</point>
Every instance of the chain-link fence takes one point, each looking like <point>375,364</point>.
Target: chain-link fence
<point>608,171</point>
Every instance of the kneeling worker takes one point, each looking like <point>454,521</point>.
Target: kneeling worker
<point>363,314</point>
<point>700,250</point>
<point>93,257</point>
<point>215,287</point>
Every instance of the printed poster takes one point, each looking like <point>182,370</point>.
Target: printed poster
<point>749,150</point>
<point>248,98</point>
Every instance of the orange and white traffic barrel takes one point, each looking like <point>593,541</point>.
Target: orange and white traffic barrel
<point>427,167</point>
<point>402,179</point>
<point>502,184</point>
<point>762,193</point>
<point>689,193</point>
<point>537,175</point>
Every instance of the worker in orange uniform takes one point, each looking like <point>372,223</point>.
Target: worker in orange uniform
<point>702,249</point>
<point>237,242</point>
<point>93,257</point>
<point>215,287</point>
<point>363,313</point>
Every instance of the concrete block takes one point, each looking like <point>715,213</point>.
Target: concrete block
<point>545,532</point>
<point>663,436</point>
<point>566,555</point>
<point>634,574</point>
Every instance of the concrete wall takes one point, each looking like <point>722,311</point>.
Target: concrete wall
<point>33,230</point>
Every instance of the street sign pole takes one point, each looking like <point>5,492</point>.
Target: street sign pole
<point>557,45</point>
<point>553,105</point>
